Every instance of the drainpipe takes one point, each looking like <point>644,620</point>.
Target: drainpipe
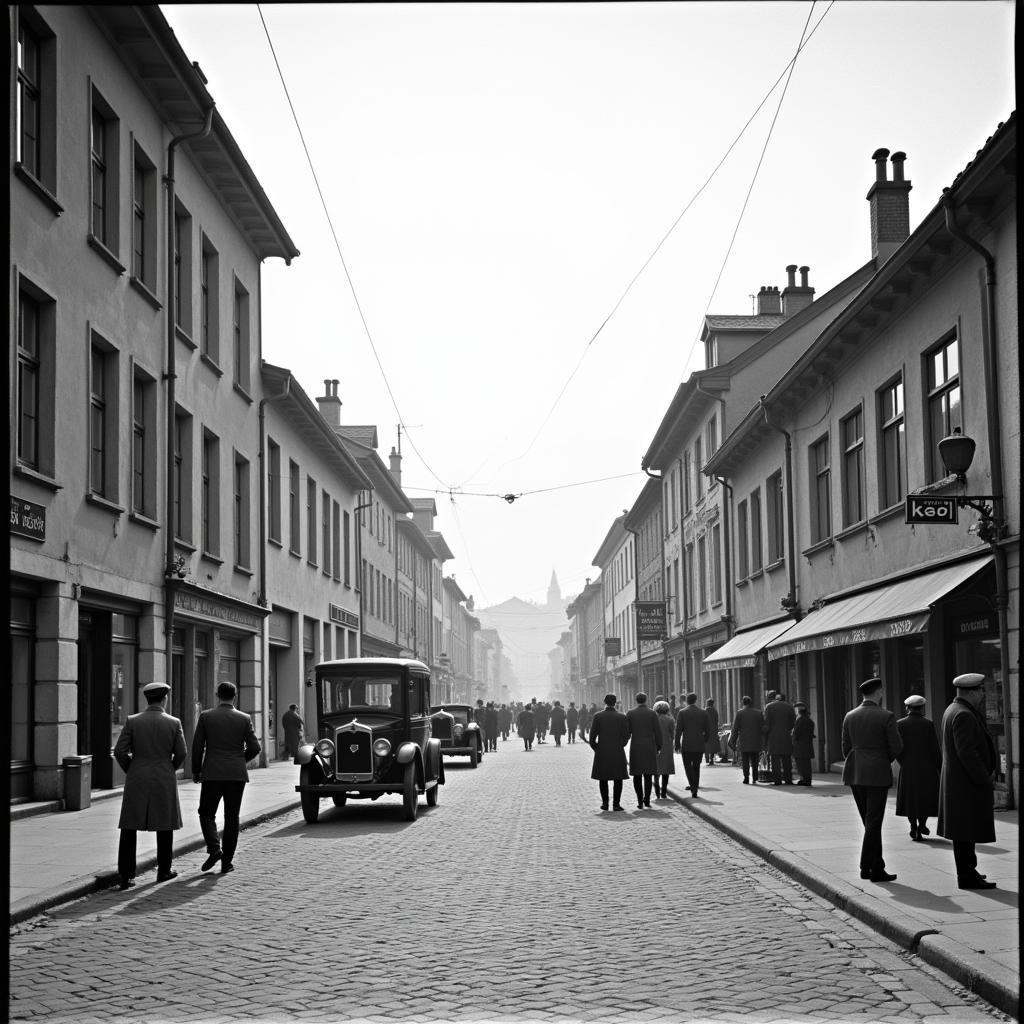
<point>171,578</point>
<point>789,602</point>
<point>996,471</point>
<point>261,598</point>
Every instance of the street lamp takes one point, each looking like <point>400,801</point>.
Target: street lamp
<point>957,454</point>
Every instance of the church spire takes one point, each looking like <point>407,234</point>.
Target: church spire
<point>554,592</point>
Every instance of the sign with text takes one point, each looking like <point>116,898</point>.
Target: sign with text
<point>650,620</point>
<point>612,646</point>
<point>928,509</point>
<point>28,519</point>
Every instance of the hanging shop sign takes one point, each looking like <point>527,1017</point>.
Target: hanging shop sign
<point>28,519</point>
<point>612,646</point>
<point>650,620</point>
<point>930,509</point>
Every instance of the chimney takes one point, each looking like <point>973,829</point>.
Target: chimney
<point>330,403</point>
<point>396,467</point>
<point>890,207</point>
<point>796,296</point>
<point>768,301</point>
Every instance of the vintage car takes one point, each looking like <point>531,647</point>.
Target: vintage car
<point>457,729</point>
<point>373,723</point>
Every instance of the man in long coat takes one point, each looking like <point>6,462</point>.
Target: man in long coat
<point>746,736</point>
<point>803,743</point>
<point>294,730</point>
<point>490,726</point>
<point>713,745</point>
<point>692,730</point>
<point>223,742</point>
<point>609,734</point>
<point>572,720</point>
<point>644,746</point>
<point>150,749</point>
<point>779,719</point>
<point>871,742</point>
<point>558,722</point>
<point>917,789</point>
<point>966,799</point>
<point>527,726</point>
<point>504,721</point>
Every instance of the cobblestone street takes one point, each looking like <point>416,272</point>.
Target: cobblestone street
<point>515,899</point>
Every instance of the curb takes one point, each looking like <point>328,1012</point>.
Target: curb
<point>998,986</point>
<point>32,906</point>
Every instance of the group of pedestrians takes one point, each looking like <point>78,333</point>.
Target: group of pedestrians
<point>537,719</point>
<point>783,731</point>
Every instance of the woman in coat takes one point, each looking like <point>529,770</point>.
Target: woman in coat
<point>666,756</point>
<point>609,734</point>
<point>644,744</point>
<point>527,727</point>
<point>917,789</point>
<point>713,746</point>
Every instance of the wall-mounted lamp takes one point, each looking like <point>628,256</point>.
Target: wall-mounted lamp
<point>957,454</point>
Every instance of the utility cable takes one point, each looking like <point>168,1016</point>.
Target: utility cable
<point>337,245</point>
<point>515,496</point>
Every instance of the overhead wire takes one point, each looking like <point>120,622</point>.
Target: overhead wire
<point>516,495</point>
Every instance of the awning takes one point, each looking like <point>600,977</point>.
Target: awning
<point>884,613</point>
<point>742,650</point>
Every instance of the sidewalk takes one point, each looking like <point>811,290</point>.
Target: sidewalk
<point>62,855</point>
<point>813,834</point>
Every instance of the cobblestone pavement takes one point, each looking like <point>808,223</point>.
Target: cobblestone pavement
<point>515,899</point>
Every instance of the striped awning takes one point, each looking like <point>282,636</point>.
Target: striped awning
<point>742,650</point>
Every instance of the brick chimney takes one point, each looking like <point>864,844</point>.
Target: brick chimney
<point>890,206</point>
<point>768,301</point>
<point>396,467</point>
<point>796,296</point>
<point>330,403</point>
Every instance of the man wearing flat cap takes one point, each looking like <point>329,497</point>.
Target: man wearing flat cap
<point>917,789</point>
<point>871,742</point>
<point>150,749</point>
<point>966,814</point>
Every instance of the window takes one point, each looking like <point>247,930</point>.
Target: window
<point>688,579</point>
<point>210,503</point>
<point>36,413</point>
<point>776,517</point>
<point>103,183</point>
<point>294,526</point>
<point>711,436</point>
<point>144,453</point>
<point>336,535</point>
<point>36,134</point>
<point>240,330</point>
<point>892,446</point>
<point>325,529</point>
<point>944,413</point>
<point>698,467</point>
<point>686,482</point>
<point>182,269</point>
<point>274,490</point>
<point>103,403</point>
<point>346,529</point>
<point>852,440</point>
<point>710,352</point>
<point>716,564</point>
<point>183,476</point>
<point>820,473</point>
<point>742,542</point>
<point>756,555</point>
<point>311,519</point>
<point>144,220</point>
<point>702,571</point>
<point>209,301</point>
<point>242,515</point>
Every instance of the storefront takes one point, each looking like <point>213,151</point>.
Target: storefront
<point>22,626</point>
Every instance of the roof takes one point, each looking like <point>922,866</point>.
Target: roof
<point>647,502</point>
<point>383,662</point>
<point>449,584</point>
<point>612,539</point>
<point>380,476</point>
<point>439,544</point>
<point>762,322</point>
<point>366,436</point>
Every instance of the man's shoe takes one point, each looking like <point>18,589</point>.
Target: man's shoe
<point>211,860</point>
<point>166,876</point>
<point>746,782</point>
<point>647,803</point>
<point>125,883</point>
<point>604,807</point>
<point>616,807</point>
<point>804,782</point>
<point>915,835</point>
<point>226,867</point>
<point>924,830</point>
<point>975,883</point>
<point>881,876</point>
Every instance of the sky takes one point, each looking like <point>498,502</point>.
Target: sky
<point>534,215</point>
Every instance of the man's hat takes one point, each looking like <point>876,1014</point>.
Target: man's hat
<point>969,681</point>
<point>869,686</point>
<point>800,704</point>
<point>915,700</point>
<point>160,688</point>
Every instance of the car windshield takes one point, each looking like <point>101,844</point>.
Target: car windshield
<point>363,693</point>
<point>459,714</point>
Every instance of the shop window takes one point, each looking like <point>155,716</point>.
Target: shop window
<point>124,634</point>
<point>944,413</point>
<point>892,445</point>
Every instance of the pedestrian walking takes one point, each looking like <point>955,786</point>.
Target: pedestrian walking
<point>527,725</point>
<point>803,742</point>
<point>645,739</point>
<point>150,749</point>
<point>224,741</point>
<point>692,730</point>
<point>504,721</point>
<point>666,755</point>
<point>479,713</point>
<point>584,722</point>
<point>779,719</point>
<point>558,722</point>
<point>917,788</point>
<point>490,726</point>
<point>713,745</point>
<point>543,715</point>
<point>870,743</point>
<point>746,736</point>
<point>966,802</point>
<point>609,734</point>
<point>572,721</point>
<point>294,730</point>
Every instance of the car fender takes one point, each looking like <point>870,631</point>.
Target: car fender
<point>407,752</point>
<point>434,759</point>
<point>304,754</point>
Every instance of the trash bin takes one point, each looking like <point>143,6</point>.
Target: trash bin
<point>77,782</point>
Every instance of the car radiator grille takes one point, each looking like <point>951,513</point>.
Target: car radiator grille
<point>441,728</point>
<point>355,756</point>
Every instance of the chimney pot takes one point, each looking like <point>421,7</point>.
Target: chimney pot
<point>897,165</point>
<point>804,271</point>
<point>791,271</point>
<point>880,156</point>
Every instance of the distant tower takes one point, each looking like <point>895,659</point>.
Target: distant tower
<point>554,592</point>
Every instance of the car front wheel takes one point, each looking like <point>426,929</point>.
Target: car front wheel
<point>310,801</point>
<point>410,796</point>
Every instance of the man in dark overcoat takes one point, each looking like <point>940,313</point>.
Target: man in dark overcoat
<point>585,717</point>
<point>870,743</point>
<point>223,742</point>
<point>779,719</point>
<point>803,742</point>
<point>490,726</point>
<point>966,797</point>
<point>294,730</point>
<point>527,726</point>
<point>149,750</point>
<point>558,722</point>
<point>609,734</point>
<point>713,746</point>
<point>644,746</point>
<point>572,720</point>
<point>917,788</point>
<point>745,736</point>
<point>693,727</point>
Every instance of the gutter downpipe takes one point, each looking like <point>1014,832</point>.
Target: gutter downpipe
<point>790,601</point>
<point>996,472</point>
<point>261,598</point>
<point>171,578</point>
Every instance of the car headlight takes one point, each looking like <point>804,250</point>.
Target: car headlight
<point>381,747</point>
<point>458,732</point>
<point>325,748</point>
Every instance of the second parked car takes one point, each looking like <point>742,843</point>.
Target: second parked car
<point>457,729</point>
